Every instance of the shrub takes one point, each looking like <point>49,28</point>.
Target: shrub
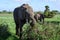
<point>4,31</point>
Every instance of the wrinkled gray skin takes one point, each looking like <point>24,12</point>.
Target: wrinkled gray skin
<point>23,14</point>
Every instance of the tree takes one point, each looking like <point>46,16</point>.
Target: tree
<point>53,12</point>
<point>9,12</point>
<point>4,11</point>
<point>47,11</point>
<point>0,12</point>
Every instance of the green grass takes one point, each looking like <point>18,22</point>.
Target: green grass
<point>47,31</point>
<point>8,18</point>
<point>55,18</point>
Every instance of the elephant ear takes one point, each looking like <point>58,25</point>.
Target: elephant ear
<point>29,9</point>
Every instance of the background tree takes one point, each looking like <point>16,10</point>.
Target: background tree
<point>47,11</point>
<point>53,13</point>
<point>0,12</point>
<point>4,11</point>
<point>10,12</point>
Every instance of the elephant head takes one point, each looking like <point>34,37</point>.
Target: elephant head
<point>29,14</point>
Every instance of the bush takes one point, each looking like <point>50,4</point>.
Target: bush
<point>4,31</point>
<point>49,31</point>
<point>31,33</point>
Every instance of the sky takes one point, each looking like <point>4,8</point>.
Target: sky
<point>37,5</point>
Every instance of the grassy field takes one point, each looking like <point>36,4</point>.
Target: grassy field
<point>50,30</point>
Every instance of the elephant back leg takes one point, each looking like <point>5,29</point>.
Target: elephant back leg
<point>42,18</point>
<point>17,25</point>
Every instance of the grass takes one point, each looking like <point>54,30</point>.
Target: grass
<point>55,18</point>
<point>47,31</point>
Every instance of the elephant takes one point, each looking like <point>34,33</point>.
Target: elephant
<point>39,17</point>
<point>23,14</point>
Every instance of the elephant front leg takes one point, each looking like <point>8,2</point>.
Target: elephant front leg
<point>22,22</point>
<point>20,32</point>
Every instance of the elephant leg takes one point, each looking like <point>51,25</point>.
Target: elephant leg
<point>17,27</point>
<point>36,18</point>
<point>21,22</point>
<point>43,20</point>
<point>40,19</point>
<point>21,31</point>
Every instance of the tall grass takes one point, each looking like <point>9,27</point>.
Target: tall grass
<point>50,30</point>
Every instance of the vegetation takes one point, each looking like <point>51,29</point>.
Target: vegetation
<point>5,12</point>
<point>49,13</point>
<point>50,30</point>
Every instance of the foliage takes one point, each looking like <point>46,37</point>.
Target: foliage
<point>47,11</point>
<point>5,12</point>
<point>50,30</point>
<point>4,33</point>
<point>9,12</point>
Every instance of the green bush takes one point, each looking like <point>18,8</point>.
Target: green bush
<point>4,34</point>
<point>47,31</point>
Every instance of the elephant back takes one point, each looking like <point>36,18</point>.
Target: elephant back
<point>19,13</point>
